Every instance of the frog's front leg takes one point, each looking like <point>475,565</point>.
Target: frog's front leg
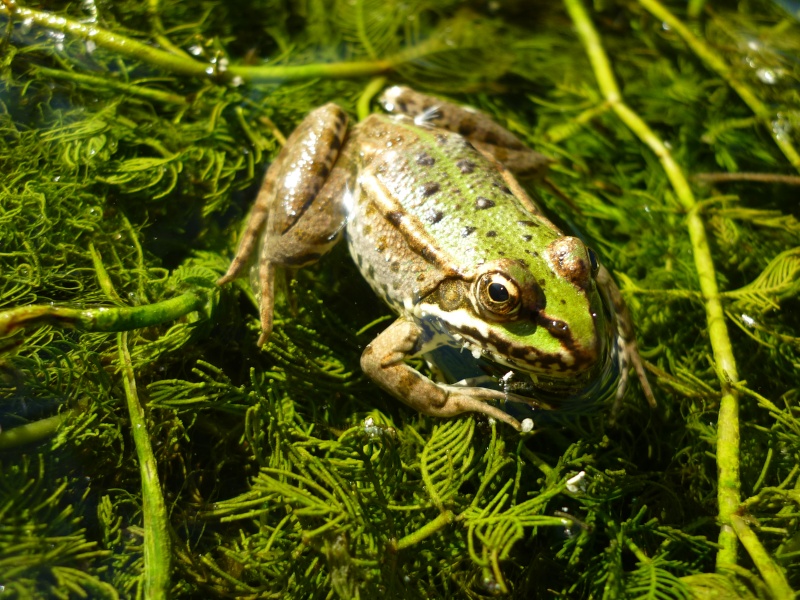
<point>626,339</point>
<point>384,359</point>
<point>489,137</point>
<point>299,213</point>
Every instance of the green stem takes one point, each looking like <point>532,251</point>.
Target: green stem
<point>110,41</point>
<point>364,100</point>
<point>728,493</point>
<point>154,9</point>
<point>363,68</point>
<point>128,89</point>
<point>182,64</point>
<point>157,547</point>
<point>439,523</point>
<point>771,573</point>
<point>103,278</point>
<point>31,433</point>
<point>718,64</point>
<point>103,318</point>
<point>695,8</point>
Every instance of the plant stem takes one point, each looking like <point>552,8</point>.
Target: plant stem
<point>373,87</point>
<point>181,64</point>
<point>718,64</point>
<point>30,433</point>
<point>104,318</point>
<point>728,492</point>
<point>440,522</point>
<point>759,177</point>
<point>128,89</point>
<point>771,573</point>
<point>695,8</point>
<point>111,41</point>
<point>157,546</point>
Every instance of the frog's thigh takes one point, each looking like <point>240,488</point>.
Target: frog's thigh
<point>293,181</point>
<point>384,362</point>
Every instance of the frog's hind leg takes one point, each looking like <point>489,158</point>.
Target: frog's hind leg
<point>299,213</point>
<point>481,130</point>
<point>255,223</point>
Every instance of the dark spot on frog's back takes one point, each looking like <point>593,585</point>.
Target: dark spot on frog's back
<point>435,216</point>
<point>527,238</point>
<point>465,166</point>
<point>429,188</point>
<point>491,233</point>
<point>483,203</point>
<point>395,217</point>
<point>425,160</point>
<point>467,231</point>
<point>528,223</point>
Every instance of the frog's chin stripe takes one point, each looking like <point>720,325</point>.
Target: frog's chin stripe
<point>460,329</point>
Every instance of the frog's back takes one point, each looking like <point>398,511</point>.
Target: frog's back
<point>430,206</point>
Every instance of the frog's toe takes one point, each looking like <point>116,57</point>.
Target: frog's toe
<point>460,400</point>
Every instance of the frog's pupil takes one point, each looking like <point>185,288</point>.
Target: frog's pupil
<point>498,292</point>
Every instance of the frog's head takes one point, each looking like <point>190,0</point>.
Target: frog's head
<point>543,317</point>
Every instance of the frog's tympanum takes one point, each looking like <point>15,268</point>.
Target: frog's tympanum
<point>443,232</point>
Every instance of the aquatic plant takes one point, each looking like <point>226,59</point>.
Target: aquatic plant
<point>149,448</point>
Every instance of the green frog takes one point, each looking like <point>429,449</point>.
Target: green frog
<point>445,234</point>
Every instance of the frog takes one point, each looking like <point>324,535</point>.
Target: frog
<point>426,197</point>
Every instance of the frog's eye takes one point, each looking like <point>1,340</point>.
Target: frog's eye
<point>498,294</point>
<point>593,261</point>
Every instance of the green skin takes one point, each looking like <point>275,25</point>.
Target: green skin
<point>443,232</point>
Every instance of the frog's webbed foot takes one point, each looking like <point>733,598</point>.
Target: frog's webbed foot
<point>489,137</point>
<point>626,340</point>
<point>383,361</point>
<point>299,213</point>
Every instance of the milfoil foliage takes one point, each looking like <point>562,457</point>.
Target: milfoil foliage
<point>179,459</point>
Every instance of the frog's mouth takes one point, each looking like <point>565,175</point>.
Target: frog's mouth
<point>565,358</point>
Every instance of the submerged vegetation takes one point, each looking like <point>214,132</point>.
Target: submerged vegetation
<point>148,447</point>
